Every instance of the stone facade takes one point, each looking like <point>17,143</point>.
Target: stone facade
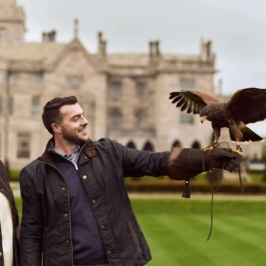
<point>124,96</point>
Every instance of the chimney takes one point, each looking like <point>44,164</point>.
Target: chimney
<point>157,48</point>
<point>49,36</point>
<point>151,48</point>
<point>154,48</point>
<point>102,44</point>
<point>206,50</point>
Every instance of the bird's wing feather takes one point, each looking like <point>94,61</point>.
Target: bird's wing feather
<point>248,105</point>
<point>193,100</point>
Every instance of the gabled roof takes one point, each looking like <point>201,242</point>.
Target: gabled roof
<point>75,44</point>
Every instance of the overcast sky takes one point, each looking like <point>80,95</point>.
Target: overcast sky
<point>237,29</point>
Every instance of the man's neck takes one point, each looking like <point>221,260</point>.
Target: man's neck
<point>65,147</point>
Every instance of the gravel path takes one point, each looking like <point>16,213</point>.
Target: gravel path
<point>197,196</point>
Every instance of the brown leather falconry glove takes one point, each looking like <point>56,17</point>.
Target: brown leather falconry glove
<point>186,163</point>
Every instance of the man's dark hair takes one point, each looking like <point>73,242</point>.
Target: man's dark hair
<point>51,113</point>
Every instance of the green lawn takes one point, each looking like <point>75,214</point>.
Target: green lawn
<point>177,231</point>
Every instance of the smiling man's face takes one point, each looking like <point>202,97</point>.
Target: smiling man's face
<point>74,124</point>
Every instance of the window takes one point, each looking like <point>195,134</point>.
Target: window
<point>35,105</point>
<point>115,90</point>
<point>140,90</point>
<point>177,144</point>
<point>187,83</point>
<point>2,77</point>
<point>1,105</point>
<point>11,79</point>
<point>115,116</point>
<point>140,118</point>
<point>186,119</point>
<point>148,146</point>
<point>10,106</point>
<point>36,79</point>
<point>131,145</point>
<point>23,145</point>
<point>2,34</point>
<point>75,83</point>
<point>196,145</point>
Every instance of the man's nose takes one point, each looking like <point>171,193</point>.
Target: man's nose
<point>85,121</point>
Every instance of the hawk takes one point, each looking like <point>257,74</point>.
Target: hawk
<point>244,107</point>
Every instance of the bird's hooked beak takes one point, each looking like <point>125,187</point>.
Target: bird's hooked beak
<point>202,118</point>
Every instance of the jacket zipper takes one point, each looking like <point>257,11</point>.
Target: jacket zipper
<point>70,240</point>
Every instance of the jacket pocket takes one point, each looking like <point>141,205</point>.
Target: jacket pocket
<point>134,233</point>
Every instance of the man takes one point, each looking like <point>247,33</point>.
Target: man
<point>9,223</point>
<point>75,204</point>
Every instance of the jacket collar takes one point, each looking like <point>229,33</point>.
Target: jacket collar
<point>88,148</point>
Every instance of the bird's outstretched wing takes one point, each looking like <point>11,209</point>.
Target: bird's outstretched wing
<point>248,105</point>
<point>193,100</point>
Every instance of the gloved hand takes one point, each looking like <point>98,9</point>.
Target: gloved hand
<point>223,158</point>
<point>186,163</point>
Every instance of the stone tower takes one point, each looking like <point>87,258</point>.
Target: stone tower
<point>12,23</point>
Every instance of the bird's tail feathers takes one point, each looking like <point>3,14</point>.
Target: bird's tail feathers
<point>248,134</point>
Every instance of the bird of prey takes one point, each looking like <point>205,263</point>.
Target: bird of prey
<point>244,107</point>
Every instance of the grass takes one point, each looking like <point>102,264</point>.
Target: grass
<point>177,230</point>
<point>19,206</point>
<point>256,176</point>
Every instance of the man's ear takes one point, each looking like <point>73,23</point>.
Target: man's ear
<point>56,128</point>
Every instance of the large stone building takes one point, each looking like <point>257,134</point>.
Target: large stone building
<point>124,96</point>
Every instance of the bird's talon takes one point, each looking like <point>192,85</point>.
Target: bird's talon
<point>237,150</point>
<point>209,148</point>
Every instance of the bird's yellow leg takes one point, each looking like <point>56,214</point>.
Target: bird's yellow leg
<point>238,149</point>
<point>217,134</point>
<point>209,148</point>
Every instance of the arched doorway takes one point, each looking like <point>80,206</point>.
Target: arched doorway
<point>176,144</point>
<point>131,145</point>
<point>196,145</point>
<point>148,146</point>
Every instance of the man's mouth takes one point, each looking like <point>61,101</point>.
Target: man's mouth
<point>83,130</point>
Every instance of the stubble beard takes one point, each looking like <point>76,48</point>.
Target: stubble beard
<point>73,137</point>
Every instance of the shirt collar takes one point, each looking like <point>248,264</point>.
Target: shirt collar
<point>72,157</point>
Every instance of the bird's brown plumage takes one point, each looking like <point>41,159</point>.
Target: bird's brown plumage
<point>244,107</point>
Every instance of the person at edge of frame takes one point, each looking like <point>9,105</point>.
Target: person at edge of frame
<point>9,223</point>
<point>76,209</point>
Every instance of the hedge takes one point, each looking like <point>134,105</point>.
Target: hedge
<point>199,186</point>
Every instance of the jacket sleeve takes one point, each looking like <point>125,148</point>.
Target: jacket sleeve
<point>137,163</point>
<point>32,222</point>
